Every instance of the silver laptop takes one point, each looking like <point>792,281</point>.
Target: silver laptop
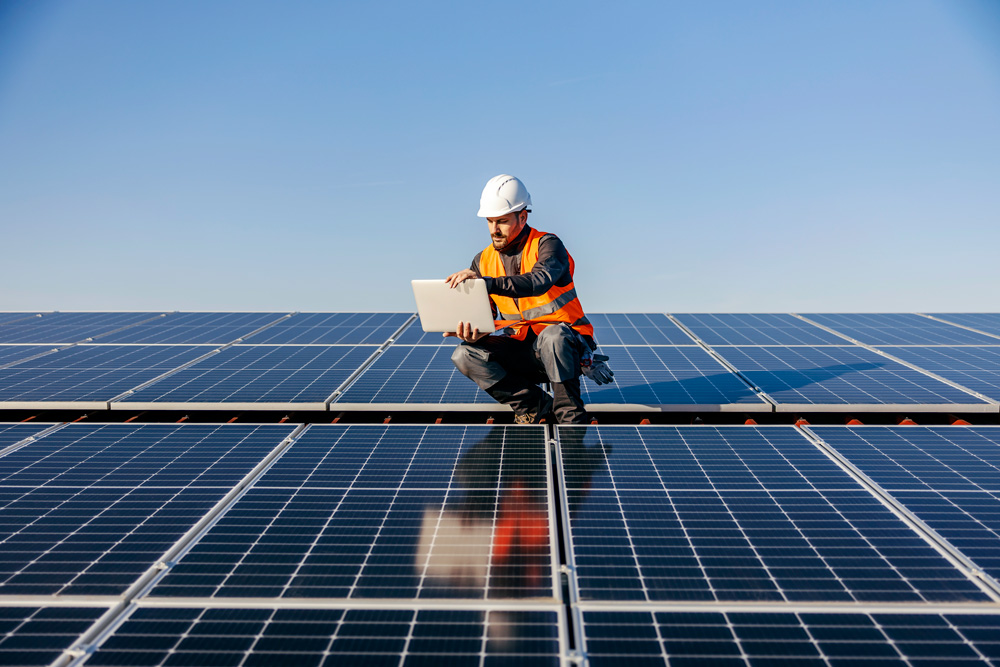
<point>441,308</point>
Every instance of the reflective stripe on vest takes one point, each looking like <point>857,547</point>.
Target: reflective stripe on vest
<point>558,304</point>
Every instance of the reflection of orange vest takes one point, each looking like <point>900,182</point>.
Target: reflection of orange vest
<point>559,304</point>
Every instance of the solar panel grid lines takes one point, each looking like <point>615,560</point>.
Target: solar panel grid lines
<point>377,635</point>
<point>983,323</point>
<point>196,328</point>
<point>649,523</point>
<point>71,327</point>
<point>414,334</point>
<point>105,540</point>
<point>671,377</point>
<point>895,329</point>
<point>7,318</point>
<point>825,377</point>
<point>637,329</point>
<point>353,328</point>
<point>338,517</point>
<point>87,376</point>
<point>942,481</point>
<point>39,634</point>
<point>261,376</point>
<point>11,355</point>
<point>753,638</point>
<point>754,329</point>
<point>974,367</point>
<point>15,436</point>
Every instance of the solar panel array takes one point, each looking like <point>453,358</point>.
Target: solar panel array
<point>347,543</point>
<point>376,361</point>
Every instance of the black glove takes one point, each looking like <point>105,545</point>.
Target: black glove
<point>598,371</point>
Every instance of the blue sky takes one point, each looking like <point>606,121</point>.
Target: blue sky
<point>719,156</point>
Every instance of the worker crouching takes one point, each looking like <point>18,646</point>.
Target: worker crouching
<point>542,332</point>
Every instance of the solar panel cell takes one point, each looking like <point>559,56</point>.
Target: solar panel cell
<point>840,376</point>
<point>193,328</point>
<point>333,329</point>
<point>986,322</point>
<point>63,328</point>
<point>637,329</point>
<point>898,329</point>
<point>90,372</point>
<point>39,635</point>
<point>975,368</point>
<point>258,374</point>
<point>756,329</point>
<point>11,354</point>
<point>13,433</point>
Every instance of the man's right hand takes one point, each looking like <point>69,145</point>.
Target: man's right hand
<point>455,279</point>
<point>465,331</point>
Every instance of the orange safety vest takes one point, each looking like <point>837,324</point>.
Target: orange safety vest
<point>559,304</point>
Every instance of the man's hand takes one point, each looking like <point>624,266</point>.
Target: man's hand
<point>598,370</point>
<point>455,279</point>
<point>466,332</point>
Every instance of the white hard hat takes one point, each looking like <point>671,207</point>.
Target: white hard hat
<point>503,194</point>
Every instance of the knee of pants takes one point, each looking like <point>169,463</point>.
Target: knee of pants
<point>557,339</point>
<point>468,359</point>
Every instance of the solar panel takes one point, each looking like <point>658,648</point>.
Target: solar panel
<point>716,514</point>
<point>898,329</point>
<point>6,318</point>
<point>842,376</point>
<point>11,354</point>
<point>63,328</point>
<point>13,433</point>
<point>756,329</point>
<point>949,477</point>
<point>921,458</point>
<point>985,322</point>
<point>636,329</point>
<point>378,636</point>
<point>90,373</point>
<point>678,377</point>
<point>91,509</point>
<point>136,455</point>
<point>414,375</point>
<point>39,635</point>
<point>257,374</point>
<point>687,639</point>
<point>333,329</point>
<point>414,334</point>
<point>976,368</point>
<point>404,512</point>
<point>193,328</point>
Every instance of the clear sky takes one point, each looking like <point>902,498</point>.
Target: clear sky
<point>717,156</point>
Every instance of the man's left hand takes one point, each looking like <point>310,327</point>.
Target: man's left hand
<point>455,279</point>
<point>466,333</point>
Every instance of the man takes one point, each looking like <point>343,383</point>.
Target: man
<point>543,334</point>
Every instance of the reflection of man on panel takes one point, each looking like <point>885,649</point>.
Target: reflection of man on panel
<point>543,334</point>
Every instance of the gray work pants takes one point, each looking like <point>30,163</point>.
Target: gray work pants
<point>510,370</point>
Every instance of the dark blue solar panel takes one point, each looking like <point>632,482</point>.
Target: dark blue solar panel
<point>13,433</point>
<point>7,318</point>
<point>134,455</point>
<point>662,375</point>
<point>414,374</point>
<point>333,329</point>
<point>975,368</point>
<point>747,639</point>
<point>39,635</point>
<point>194,328</point>
<point>679,535</point>
<point>430,512</point>
<point>11,354</point>
<point>414,334</point>
<point>985,322</point>
<point>947,458</point>
<point>259,374</point>
<point>636,329</point>
<point>90,541</point>
<point>756,329</point>
<point>969,520</point>
<point>898,329</point>
<point>60,328</point>
<point>948,476</point>
<point>312,637</point>
<point>838,375</point>
<point>90,372</point>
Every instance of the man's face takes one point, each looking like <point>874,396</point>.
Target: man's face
<point>505,229</point>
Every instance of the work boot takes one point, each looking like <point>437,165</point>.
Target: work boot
<point>544,411</point>
<point>569,406</point>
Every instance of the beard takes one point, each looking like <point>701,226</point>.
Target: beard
<point>499,242</point>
